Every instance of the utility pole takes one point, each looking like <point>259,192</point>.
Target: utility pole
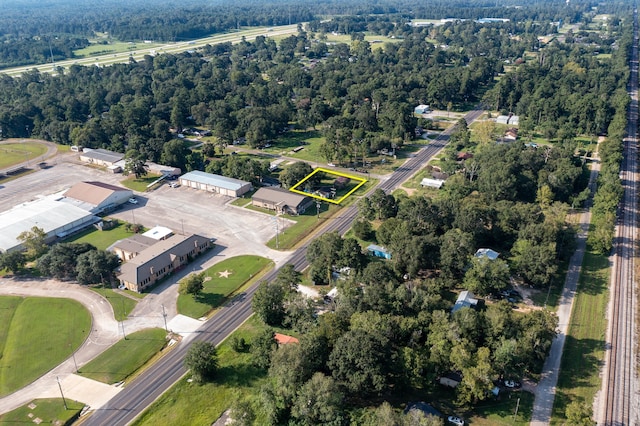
<point>275,222</point>
<point>73,354</point>
<point>64,401</point>
<point>318,208</point>
<point>516,413</point>
<point>164,316</point>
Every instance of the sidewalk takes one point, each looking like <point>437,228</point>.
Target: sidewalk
<point>545,392</point>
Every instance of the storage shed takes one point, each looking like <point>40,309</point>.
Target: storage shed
<point>215,183</point>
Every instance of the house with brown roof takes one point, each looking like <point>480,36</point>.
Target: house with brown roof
<point>281,200</point>
<point>161,259</point>
<point>96,197</point>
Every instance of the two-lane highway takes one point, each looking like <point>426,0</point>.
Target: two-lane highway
<point>154,381</point>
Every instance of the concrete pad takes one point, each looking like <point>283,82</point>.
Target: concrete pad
<point>184,325</point>
<point>90,392</point>
<point>308,291</point>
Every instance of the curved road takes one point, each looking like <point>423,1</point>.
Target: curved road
<point>154,381</point>
<point>52,149</point>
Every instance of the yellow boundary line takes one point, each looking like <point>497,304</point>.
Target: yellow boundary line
<point>332,172</point>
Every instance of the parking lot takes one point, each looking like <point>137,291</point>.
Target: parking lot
<point>239,230</point>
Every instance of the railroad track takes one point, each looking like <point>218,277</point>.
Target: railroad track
<point>620,378</point>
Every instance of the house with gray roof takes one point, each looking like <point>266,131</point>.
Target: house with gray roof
<point>281,200</point>
<point>161,259</point>
<point>215,183</point>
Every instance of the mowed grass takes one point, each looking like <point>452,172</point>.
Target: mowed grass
<point>101,239</point>
<point>496,413</point>
<point>16,153</point>
<point>191,404</point>
<point>139,185</point>
<point>217,288</point>
<point>125,357</point>
<point>50,411</point>
<point>584,347</point>
<point>121,304</point>
<point>39,334</point>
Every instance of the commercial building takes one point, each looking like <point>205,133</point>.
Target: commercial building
<point>56,218</point>
<point>215,183</point>
<point>97,197</point>
<point>101,157</point>
<point>161,259</point>
<point>281,200</point>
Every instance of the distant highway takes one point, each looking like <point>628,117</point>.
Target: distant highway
<point>154,381</point>
<point>139,53</point>
<point>620,386</point>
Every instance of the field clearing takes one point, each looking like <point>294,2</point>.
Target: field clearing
<point>16,153</point>
<point>124,358</point>
<point>42,333</point>
<point>221,281</point>
<point>584,348</point>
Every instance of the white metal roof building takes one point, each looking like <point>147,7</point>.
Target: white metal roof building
<point>56,218</point>
<point>159,233</point>
<point>215,183</point>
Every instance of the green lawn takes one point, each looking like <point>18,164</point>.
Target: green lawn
<point>101,239</point>
<point>39,333</point>
<point>496,413</point>
<point>217,287</point>
<point>16,153</point>
<point>50,411</point>
<point>95,49</point>
<point>584,347</point>
<point>125,357</point>
<point>191,404</point>
<point>139,185</point>
<point>122,305</point>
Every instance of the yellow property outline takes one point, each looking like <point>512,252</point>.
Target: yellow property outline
<point>333,172</point>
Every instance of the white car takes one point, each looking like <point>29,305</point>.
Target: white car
<point>455,420</point>
<point>133,201</point>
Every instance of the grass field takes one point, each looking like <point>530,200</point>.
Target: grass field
<point>139,185</point>
<point>37,334</point>
<point>16,153</point>
<point>125,357</point>
<point>585,344</point>
<point>497,413</point>
<point>101,239</point>
<point>121,305</point>
<point>217,287</point>
<point>192,404</point>
<point>113,47</point>
<point>49,411</point>
<point>305,223</point>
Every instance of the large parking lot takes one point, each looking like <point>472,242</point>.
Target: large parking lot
<point>239,230</point>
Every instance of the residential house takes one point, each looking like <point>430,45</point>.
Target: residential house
<point>466,299</point>
<point>488,253</point>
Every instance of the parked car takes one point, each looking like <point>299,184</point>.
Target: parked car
<point>133,201</point>
<point>512,384</point>
<point>455,420</point>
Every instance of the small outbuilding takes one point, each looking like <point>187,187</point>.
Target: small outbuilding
<point>215,183</point>
<point>488,253</point>
<point>450,379</point>
<point>432,183</point>
<point>421,109</point>
<point>378,251</point>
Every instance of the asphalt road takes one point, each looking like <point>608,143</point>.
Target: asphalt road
<point>619,402</point>
<point>154,381</point>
